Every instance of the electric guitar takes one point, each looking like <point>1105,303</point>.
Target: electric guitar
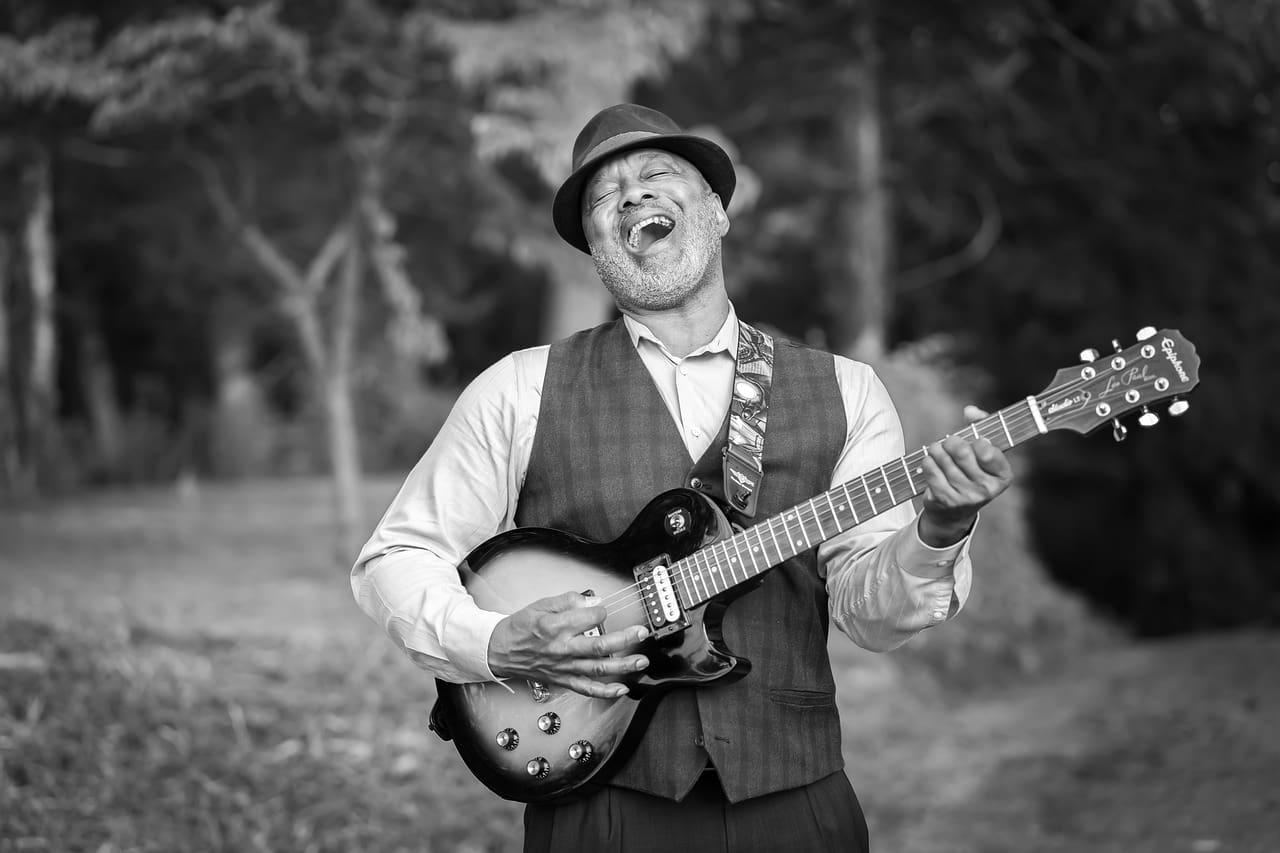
<point>680,563</point>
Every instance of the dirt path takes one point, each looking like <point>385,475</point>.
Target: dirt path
<point>1157,747</point>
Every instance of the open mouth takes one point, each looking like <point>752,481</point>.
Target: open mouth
<point>648,231</point>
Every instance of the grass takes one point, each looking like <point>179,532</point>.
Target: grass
<point>187,672</point>
<point>194,676</point>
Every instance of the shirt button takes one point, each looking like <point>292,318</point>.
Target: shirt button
<point>938,614</point>
<point>684,371</point>
<point>695,432</point>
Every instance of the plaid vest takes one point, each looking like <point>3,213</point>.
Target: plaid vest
<point>605,445</point>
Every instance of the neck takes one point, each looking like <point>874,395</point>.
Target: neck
<point>687,326</point>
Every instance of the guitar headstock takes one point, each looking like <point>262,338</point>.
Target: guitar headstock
<point>1161,366</point>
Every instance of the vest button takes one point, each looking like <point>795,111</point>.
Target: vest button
<point>696,482</point>
<point>698,741</point>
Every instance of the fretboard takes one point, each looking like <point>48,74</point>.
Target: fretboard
<point>755,550</point>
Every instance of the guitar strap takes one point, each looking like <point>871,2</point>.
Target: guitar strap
<point>748,413</point>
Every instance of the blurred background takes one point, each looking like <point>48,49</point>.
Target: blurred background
<point>251,251</point>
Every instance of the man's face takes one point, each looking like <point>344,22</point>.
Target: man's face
<point>654,228</point>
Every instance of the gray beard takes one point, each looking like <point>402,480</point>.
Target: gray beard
<point>665,282</point>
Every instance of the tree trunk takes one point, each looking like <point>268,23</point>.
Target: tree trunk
<point>9,453</point>
<point>37,388</point>
<point>862,327</point>
<point>98,381</point>
<point>344,442</point>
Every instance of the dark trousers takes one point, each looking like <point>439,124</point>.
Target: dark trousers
<point>822,817</point>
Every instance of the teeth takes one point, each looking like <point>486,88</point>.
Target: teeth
<point>633,236</point>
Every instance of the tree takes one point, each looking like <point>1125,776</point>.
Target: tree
<point>368,84</point>
<point>47,71</point>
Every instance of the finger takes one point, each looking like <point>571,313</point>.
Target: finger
<point>607,669</point>
<point>596,689</point>
<point>973,414</point>
<point>993,462</point>
<point>611,643</point>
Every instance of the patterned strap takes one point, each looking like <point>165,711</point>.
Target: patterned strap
<point>748,411</point>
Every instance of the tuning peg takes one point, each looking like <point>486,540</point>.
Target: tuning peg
<point>1146,332</point>
<point>1115,342</point>
<point>1088,355</point>
<point>1148,418</point>
<point>1118,430</point>
<point>1178,407</point>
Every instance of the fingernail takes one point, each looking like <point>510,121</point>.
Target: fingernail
<point>640,664</point>
<point>641,633</point>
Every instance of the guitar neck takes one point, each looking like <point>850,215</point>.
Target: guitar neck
<point>755,550</point>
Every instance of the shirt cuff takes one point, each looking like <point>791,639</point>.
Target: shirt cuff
<point>467,640</point>
<point>917,558</point>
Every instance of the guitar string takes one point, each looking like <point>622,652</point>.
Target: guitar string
<point>1018,419</point>
<point>616,603</point>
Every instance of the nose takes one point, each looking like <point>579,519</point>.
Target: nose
<point>633,193</point>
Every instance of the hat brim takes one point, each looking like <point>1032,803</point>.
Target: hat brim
<point>707,157</point>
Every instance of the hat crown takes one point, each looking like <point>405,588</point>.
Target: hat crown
<point>615,121</point>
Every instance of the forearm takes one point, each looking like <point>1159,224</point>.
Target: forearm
<point>419,602</point>
<point>883,595</point>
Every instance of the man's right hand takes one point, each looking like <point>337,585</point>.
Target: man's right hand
<point>545,642</point>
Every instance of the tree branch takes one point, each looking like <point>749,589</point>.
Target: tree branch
<point>976,251</point>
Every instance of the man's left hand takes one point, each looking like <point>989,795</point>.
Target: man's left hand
<point>962,475</point>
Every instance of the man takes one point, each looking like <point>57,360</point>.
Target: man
<point>580,435</point>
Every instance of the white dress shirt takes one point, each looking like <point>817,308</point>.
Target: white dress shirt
<point>885,585</point>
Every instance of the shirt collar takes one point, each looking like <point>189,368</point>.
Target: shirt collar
<point>725,340</point>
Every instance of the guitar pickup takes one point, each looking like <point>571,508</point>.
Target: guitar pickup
<point>660,599</point>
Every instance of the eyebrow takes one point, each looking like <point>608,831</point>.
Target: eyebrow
<point>663,157</point>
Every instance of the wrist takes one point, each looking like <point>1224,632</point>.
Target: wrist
<point>943,532</point>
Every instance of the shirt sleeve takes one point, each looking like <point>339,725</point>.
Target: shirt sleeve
<point>461,492</point>
<point>885,584</point>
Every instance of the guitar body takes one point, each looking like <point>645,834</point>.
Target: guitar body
<point>516,568</point>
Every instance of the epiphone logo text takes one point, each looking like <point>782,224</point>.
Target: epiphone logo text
<point>1168,346</point>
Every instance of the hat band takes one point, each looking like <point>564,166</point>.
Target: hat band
<point>617,141</point>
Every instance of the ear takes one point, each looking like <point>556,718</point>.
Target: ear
<point>722,218</point>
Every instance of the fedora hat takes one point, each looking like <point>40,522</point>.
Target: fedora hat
<point>625,127</point>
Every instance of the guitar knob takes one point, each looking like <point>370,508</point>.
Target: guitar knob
<point>508,739</point>
<point>1148,418</point>
<point>1146,332</point>
<point>538,767</point>
<point>1088,355</point>
<point>582,751</point>
<point>1179,407</point>
<point>549,723</point>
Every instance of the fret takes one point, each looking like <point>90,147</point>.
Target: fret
<point>773,534</point>
<point>792,542</point>
<point>1006,428</point>
<point>849,500</point>
<point>709,579</point>
<point>835,516</point>
<point>723,545</point>
<point>695,575</point>
<point>974,427</point>
<point>758,549</point>
<point>870,499</point>
<point>907,470</point>
<point>822,534</point>
<point>804,531</point>
<point>888,485</point>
